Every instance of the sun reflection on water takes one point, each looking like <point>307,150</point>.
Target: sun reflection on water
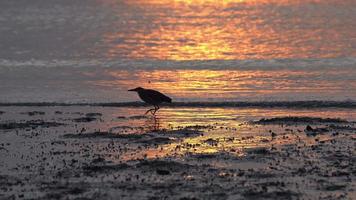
<point>230,84</point>
<point>224,30</point>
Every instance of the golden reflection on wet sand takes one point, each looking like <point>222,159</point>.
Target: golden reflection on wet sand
<point>226,130</point>
<point>225,141</point>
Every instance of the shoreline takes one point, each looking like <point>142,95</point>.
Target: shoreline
<point>228,104</point>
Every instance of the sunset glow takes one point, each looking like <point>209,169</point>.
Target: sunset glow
<point>227,84</point>
<point>216,30</point>
<point>177,99</point>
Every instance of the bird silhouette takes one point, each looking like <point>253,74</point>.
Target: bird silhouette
<point>152,97</point>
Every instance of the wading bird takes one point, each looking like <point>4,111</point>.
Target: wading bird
<point>152,97</point>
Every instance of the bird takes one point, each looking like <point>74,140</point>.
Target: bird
<point>152,97</point>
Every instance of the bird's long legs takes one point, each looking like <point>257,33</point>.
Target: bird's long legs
<point>150,110</point>
<point>156,109</point>
<point>153,110</point>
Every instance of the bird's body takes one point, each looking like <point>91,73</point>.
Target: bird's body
<point>152,97</point>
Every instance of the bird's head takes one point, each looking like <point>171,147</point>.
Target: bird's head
<point>136,89</point>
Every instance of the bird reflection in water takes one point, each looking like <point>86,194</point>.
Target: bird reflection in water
<point>152,124</point>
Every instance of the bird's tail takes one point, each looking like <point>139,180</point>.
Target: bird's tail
<point>167,99</point>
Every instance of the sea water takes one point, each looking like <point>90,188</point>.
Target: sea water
<point>191,50</point>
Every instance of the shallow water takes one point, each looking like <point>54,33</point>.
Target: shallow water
<point>222,129</point>
<point>67,84</point>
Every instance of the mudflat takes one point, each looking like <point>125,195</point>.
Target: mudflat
<point>92,152</point>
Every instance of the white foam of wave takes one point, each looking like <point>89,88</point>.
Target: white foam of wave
<point>209,64</point>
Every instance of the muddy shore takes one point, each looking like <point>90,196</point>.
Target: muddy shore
<point>96,153</point>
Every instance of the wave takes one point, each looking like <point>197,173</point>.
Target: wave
<point>261,104</point>
<point>191,64</point>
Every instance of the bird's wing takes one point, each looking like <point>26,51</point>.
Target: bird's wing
<point>159,97</point>
<point>146,97</point>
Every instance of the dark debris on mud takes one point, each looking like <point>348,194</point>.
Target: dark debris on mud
<point>29,124</point>
<point>104,134</point>
<point>85,119</point>
<point>89,117</point>
<point>33,113</point>
<point>156,137</point>
<point>145,139</point>
<point>260,194</point>
<point>166,165</point>
<point>93,114</point>
<point>295,120</point>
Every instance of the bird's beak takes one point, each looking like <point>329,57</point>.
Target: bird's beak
<point>131,90</point>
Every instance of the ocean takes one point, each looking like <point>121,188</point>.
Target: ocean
<point>93,51</point>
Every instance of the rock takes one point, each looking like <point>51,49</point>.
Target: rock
<point>163,172</point>
<point>309,128</point>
